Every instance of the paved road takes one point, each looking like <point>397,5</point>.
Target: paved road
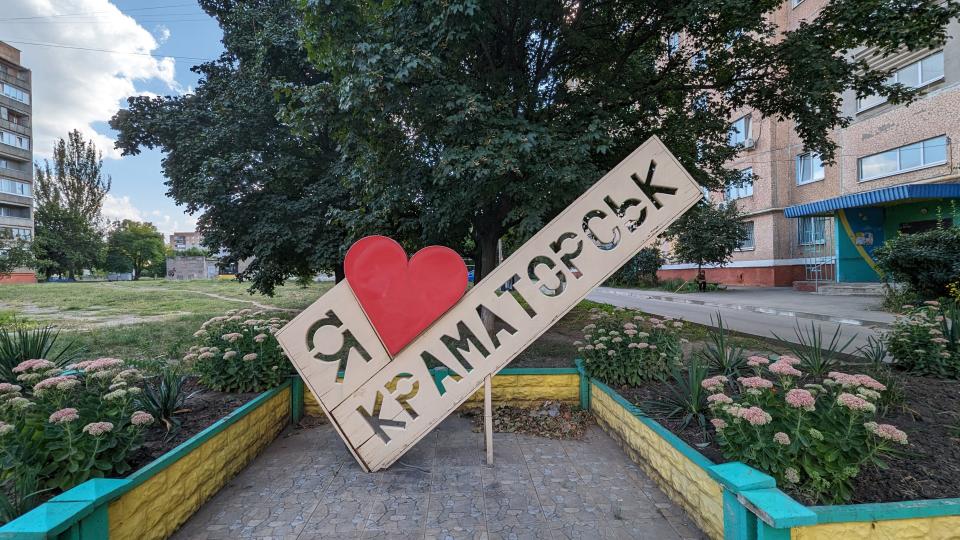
<point>760,312</point>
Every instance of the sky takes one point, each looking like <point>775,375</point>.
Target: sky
<point>153,42</point>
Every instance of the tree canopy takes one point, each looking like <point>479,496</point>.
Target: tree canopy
<point>135,247</point>
<point>708,234</point>
<point>462,122</point>
<point>69,197</point>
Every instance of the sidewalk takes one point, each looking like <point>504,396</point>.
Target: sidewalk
<point>761,311</point>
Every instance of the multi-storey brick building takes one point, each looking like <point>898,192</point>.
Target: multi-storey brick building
<point>182,241</point>
<point>16,156</point>
<point>896,171</point>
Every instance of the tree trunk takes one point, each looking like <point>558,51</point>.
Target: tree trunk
<point>338,273</point>
<point>487,248</point>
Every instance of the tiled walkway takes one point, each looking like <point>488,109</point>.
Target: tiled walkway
<point>307,486</point>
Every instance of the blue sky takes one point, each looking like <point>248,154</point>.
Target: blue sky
<point>82,89</point>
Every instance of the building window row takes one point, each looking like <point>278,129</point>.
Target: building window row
<point>15,233</point>
<point>739,131</point>
<point>15,187</point>
<point>928,153</point>
<point>16,94</point>
<point>9,210</point>
<point>812,231</point>
<point>13,117</point>
<point>20,141</point>
<point>748,243</point>
<point>915,75</point>
<point>743,190</point>
<point>809,168</point>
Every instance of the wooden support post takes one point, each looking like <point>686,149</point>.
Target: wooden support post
<point>488,416</point>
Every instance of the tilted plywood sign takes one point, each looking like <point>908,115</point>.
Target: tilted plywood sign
<point>385,403</point>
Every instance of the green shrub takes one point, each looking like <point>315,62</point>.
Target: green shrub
<point>20,343</point>
<point>816,439</point>
<point>640,270</point>
<point>239,352</point>
<point>928,261</point>
<point>73,427</point>
<point>640,349</point>
<point>687,401</point>
<point>720,354</point>
<point>164,395</point>
<point>926,339</point>
<point>817,357</point>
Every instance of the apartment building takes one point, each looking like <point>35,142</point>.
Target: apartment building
<point>16,156</point>
<point>181,241</point>
<point>896,171</point>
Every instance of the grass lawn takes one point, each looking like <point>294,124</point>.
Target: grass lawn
<point>138,320</point>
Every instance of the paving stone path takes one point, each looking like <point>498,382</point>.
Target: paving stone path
<point>307,486</point>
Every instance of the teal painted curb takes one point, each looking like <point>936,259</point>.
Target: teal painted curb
<point>584,385</point>
<point>887,511</point>
<point>81,512</point>
<point>296,399</point>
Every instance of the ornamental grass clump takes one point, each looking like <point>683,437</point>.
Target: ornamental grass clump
<point>65,427</point>
<point>239,352</point>
<point>814,439</point>
<point>623,348</point>
<point>926,339</point>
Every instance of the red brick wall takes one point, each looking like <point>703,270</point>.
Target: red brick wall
<point>18,277</point>
<point>759,276</point>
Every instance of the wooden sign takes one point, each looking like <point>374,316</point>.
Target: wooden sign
<point>384,404</point>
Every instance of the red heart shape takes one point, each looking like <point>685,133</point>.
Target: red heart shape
<point>401,298</point>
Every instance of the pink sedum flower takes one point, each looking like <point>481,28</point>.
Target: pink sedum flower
<point>870,382</point>
<point>783,368</point>
<point>719,398</point>
<point>755,416</point>
<point>713,383</point>
<point>757,361</point>
<point>33,365</point>
<point>64,415</point>
<point>755,382</point>
<point>791,475</point>
<point>800,399</point>
<point>6,428</point>
<point>141,418</point>
<point>719,424</point>
<point>253,356</point>
<point>789,360</point>
<point>886,431</point>
<point>98,428</point>
<point>781,438</point>
<point>60,382</point>
<point>7,388</point>
<point>855,403</point>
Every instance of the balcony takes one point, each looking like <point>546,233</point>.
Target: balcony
<point>7,150</point>
<point>15,105</point>
<point>24,176</point>
<point>16,81</point>
<point>16,128</point>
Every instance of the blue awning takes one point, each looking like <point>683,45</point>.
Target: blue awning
<point>876,197</point>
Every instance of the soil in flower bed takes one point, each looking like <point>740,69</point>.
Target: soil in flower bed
<point>552,419</point>
<point>201,411</point>
<point>928,468</point>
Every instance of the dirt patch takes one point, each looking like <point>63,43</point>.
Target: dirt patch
<point>928,468</point>
<point>203,410</point>
<point>552,419</point>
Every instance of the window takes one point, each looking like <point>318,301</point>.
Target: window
<point>906,158</point>
<point>809,168</point>
<point>915,75</point>
<point>13,139</point>
<point>811,231</point>
<point>17,188</point>
<point>673,43</point>
<point>743,190</point>
<point>16,94</point>
<point>15,233</point>
<point>7,210</point>
<point>748,242</point>
<point>739,131</point>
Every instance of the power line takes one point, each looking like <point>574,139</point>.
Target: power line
<point>93,12</point>
<point>58,46</point>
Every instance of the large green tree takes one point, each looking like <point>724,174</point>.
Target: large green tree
<point>708,234</point>
<point>69,196</point>
<point>263,189</point>
<point>134,246</point>
<point>509,108</point>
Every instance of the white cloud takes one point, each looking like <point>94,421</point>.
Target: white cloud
<point>73,89</point>
<point>117,208</point>
<point>163,33</point>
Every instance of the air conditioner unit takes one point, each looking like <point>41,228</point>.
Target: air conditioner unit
<point>749,143</point>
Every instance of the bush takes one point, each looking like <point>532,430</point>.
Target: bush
<point>928,261</point>
<point>720,354</point>
<point>640,270</point>
<point>20,343</point>
<point>926,339</point>
<point>618,352</point>
<point>239,352</point>
<point>816,439</point>
<point>66,429</point>
<point>687,401</point>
